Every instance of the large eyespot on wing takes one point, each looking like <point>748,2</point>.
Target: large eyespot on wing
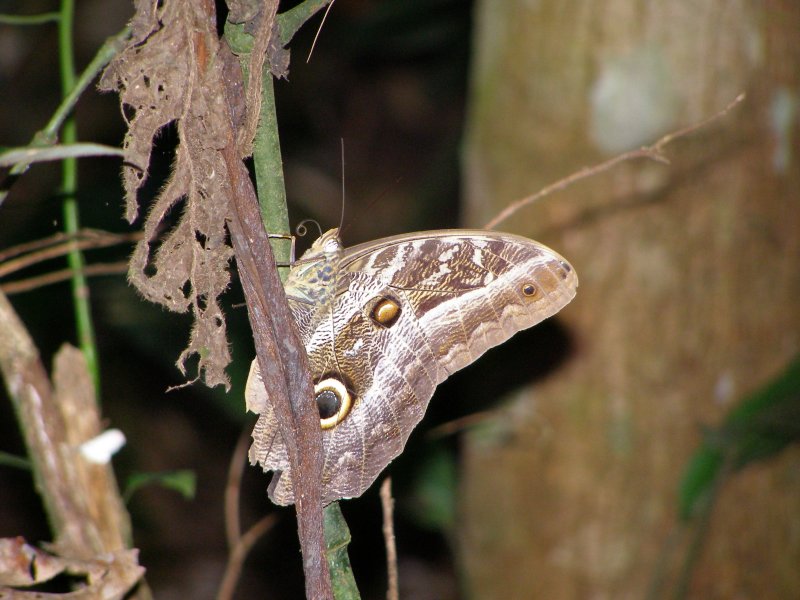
<point>334,401</point>
<point>384,311</point>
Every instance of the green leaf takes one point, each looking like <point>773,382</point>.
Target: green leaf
<point>757,428</point>
<point>337,538</point>
<point>182,481</point>
<point>698,479</point>
<point>32,154</point>
<point>12,460</point>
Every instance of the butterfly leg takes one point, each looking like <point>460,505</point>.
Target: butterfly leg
<point>284,236</point>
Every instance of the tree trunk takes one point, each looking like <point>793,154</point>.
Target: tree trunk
<point>688,298</point>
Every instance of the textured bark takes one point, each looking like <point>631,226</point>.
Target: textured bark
<point>688,299</point>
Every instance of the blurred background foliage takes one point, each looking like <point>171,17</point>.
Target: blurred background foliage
<point>389,78</point>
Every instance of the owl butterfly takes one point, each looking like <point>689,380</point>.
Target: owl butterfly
<point>384,323</point>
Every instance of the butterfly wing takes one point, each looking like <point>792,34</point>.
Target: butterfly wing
<point>453,295</point>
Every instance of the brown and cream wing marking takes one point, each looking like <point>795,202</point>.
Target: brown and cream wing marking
<point>401,315</point>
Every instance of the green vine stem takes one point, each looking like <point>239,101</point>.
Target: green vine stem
<point>267,159</point>
<point>69,188</point>
<point>47,136</point>
<point>268,167</point>
<point>289,22</point>
<point>40,19</point>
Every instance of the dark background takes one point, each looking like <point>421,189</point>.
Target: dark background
<point>387,77</point>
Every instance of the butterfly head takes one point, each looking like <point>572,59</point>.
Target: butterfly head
<point>311,277</point>
<point>328,245</point>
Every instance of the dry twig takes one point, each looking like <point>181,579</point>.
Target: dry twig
<point>239,553</point>
<point>32,283</point>
<point>653,152</point>
<point>31,253</point>
<point>387,503</point>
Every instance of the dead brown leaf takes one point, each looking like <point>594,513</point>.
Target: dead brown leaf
<point>168,77</point>
<point>107,577</point>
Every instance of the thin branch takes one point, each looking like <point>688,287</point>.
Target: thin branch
<point>653,152</point>
<point>59,245</point>
<point>40,19</point>
<point>387,503</point>
<point>255,74</point>
<point>319,30</point>
<point>238,555</point>
<point>56,238</point>
<point>110,48</point>
<point>32,283</point>
<point>281,358</point>
<point>11,157</point>
<point>37,244</point>
<point>268,167</point>
<point>456,425</point>
<point>81,306</point>
<point>56,246</point>
<point>14,461</point>
<point>233,488</point>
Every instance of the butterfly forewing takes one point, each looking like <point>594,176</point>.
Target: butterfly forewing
<point>403,314</point>
<point>466,287</point>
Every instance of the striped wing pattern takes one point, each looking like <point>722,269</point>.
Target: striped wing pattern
<point>459,292</point>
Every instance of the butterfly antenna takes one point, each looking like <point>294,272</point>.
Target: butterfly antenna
<point>319,29</point>
<point>341,217</point>
<point>302,230</point>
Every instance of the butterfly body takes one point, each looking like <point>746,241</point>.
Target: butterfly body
<point>384,323</point>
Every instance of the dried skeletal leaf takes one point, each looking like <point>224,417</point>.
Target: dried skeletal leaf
<point>145,19</point>
<point>172,77</point>
<point>151,78</point>
<point>278,55</point>
<point>106,577</point>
